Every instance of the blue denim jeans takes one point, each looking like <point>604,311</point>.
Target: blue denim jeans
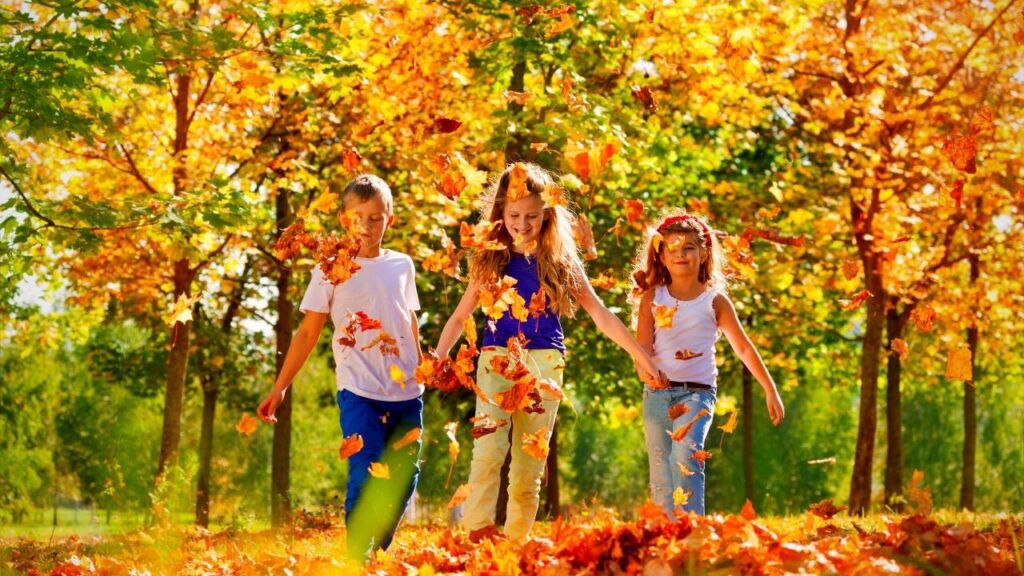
<point>671,463</point>
<point>374,506</point>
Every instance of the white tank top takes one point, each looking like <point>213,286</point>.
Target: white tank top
<point>686,351</point>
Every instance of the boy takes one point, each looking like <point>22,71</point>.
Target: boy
<point>376,402</point>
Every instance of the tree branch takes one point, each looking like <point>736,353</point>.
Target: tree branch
<point>135,170</point>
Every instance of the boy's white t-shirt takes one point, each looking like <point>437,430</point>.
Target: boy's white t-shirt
<point>384,289</point>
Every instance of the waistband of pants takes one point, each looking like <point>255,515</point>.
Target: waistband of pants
<point>694,385</point>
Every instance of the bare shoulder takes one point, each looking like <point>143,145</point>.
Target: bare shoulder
<point>721,304</point>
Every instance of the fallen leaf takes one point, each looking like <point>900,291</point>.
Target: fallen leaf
<point>748,510</point>
<point>825,509</point>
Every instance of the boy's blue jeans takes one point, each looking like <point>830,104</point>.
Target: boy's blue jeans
<point>374,506</point>
<point>671,463</point>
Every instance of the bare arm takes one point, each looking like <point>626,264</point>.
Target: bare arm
<point>745,350</point>
<point>645,333</point>
<point>303,342</point>
<point>453,328</point>
<point>612,327</point>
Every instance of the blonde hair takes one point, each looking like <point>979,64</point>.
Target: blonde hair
<point>559,267</point>
<point>649,272</point>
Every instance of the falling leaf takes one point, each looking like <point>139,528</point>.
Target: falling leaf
<point>325,202</point>
<point>687,354</point>
<point>452,184</point>
<point>923,317</point>
<point>603,281</point>
<point>469,328</point>
<point>554,195</point>
<point>962,152</point>
<point>446,125</point>
<point>247,424</point>
<point>748,510</point>
<point>486,425</point>
<point>701,455</point>
<point>538,146</point>
<point>453,447</point>
<point>684,470</point>
<point>350,446</point>
<point>851,268</point>
<point>730,426</point>
<point>365,321</point>
<point>397,375</point>
<point>352,159</point>
<point>517,189</point>
<point>478,236</point>
<point>634,210</point>
<point>957,193</point>
<point>410,437</point>
<point>825,509</point>
<point>499,297</point>
<point>536,444</point>
<point>549,386</point>
<point>678,409</point>
<point>680,497</point>
<point>520,98</point>
<point>680,433</point>
<point>581,163</point>
<point>856,301</point>
<point>899,347</point>
<point>293,239</point>
<point>380,470</point>
<point>664,315</point>
<point>385,343</point>
<point>983,121</point>
<point>829,460</point>
<point>460,495</point>
<point>182,311</point>
<point>538,303</point>
<point>445,260</point>
<point>958,366</point>
<point>920,497</point>
<point>644,96</point>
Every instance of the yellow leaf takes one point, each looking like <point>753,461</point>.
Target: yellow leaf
<point>398,376</point>
<point>664,315</point>
<point>182,311</point>
<point>680,497</point>
<point>959,367</point>
<point>730,426</point>
<point>325,202</point>
<point>380,470</point>
<point>536,444</point>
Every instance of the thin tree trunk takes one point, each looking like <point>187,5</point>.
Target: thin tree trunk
<point>867,425</point>
<point>552,505</point>
<point>893,415</point>
<point>210,391</point>
<point>280,480</point>
<point>970,408</point>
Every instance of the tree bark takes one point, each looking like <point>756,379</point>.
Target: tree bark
<point>177,367</point>
<point>893,415</point>
<point>867,424</point>
<point>280,469</point>
<point>970,408</point>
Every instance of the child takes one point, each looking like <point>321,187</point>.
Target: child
<point>540,253</point>
<point>374,405</point>
<point>682,307</point>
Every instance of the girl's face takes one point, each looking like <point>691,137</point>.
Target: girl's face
<point>523,219</point>
<point>374,220</point>
<point>681,254</point>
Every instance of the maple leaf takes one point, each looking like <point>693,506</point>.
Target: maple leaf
<point>437,373</point>
<point>678,409</point>
<point>748,510</point>
<point>856,301</point>
<point>634,210</point>
<point>520,98</point>
<point>460,495</point>
<point>247,424</point>
<point>687,354</point>
<point>554,195</point>
<point>603,281</point>
<point>730,426</point>
<point>517,189</point>
<point>446,125</point>
<point>549,386</point>
<point>323,203</point>
<point>664,315</point>
<point>397,375</point>
<point>825,509</point>
<point>983,121</point>
<point>538,303</point>
<point>364,321</point>
<point>446,260</point>
<point>410,437</point>
<point>536,444</point>
<point>851,268</point>
<point>899,347</point>
<point>958,365</point>
<point>293,239</point>
<point>387,345</point>
<point>452,185</point>
<point>380,470</point>
<point>469,328</point>
<point>498,297</point>
<point>644,96</point>
<point>478,236</point>
<point>962,151</point>
<point>350,446</point>
<point>563,23</point>
<point>701,455</point>
<point>352,159</point>
<point>680,497</point>
<point>923,317</point>
<point>182,311</point>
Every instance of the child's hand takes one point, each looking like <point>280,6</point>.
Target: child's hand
<point>657,382</point>
<point>269,406</point>
<point>776,411</point>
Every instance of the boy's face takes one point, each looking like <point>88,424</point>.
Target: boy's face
<point>374,219</point>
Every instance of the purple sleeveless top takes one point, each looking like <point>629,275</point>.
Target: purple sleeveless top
<point>543,332</point>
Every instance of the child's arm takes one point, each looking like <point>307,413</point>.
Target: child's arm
<point>645,334</point>
<point>416,335</point>
<point>453,328</point>
<point>298,351</point>
<point>745,350</point>
<point>614,328</point>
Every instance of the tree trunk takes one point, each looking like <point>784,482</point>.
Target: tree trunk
<point>893,415</point>
<point>552,506</point>
<point>748,435</point>
<point>210,391</point>
<point>867,425</point>
<point>280,480</point>
<point>516,146</point>
<point>970,407</point>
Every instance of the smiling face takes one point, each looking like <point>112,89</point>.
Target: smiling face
<point>373,218</point>
<point>523,219</point>
<point>681,254</point>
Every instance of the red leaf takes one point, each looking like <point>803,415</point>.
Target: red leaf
<point>446,125</point>
<point>581,162</point>
<point>857,300</point>
<point>957,193</point>
<point>962,151</point>
<point>645,97</point>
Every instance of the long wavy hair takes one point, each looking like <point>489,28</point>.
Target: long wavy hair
<point>649,272</point>
<point>559,266</point>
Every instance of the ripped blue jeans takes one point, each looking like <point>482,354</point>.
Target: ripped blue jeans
<point>671,462</point>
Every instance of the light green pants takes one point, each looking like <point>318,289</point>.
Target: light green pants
<point>525,473</point>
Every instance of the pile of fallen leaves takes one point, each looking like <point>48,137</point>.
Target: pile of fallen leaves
<point>594,542</point>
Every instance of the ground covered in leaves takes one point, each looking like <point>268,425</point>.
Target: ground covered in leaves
<point>596,542</point>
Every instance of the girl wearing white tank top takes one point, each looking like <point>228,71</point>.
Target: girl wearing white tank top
<point>681,309</point>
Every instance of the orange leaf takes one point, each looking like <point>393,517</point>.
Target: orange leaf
<point>957,193</point>
<point>851,268</point>
<point>352,159</point>
<point>517,183</point>
<point>923,317</point>
<point>380,470</point>
<point>247,424</point>
<point>518,97</point>
<point>958,366</point>
<point>603,281</point>
<point>856,301</point>
<point>701,455</point>
<point>825,509</point>
<point>581,163</point>
<point>293,239</point>
<point>410,437</point>
<point>554,195</point>
<point>551,388</point>
<point>962,152</point>
<point>350,446</point>
<point>486,426</point>
<point>983,121</point>
<point>899,347</point>
<point>684,470</point>
<point>452,185</point>
<point>634,210</point>
<point>536,444</point>
<point>460,495</point>
<point>445,260</point>
<point>585,237</point>
<point>479,236</point>
<point>687,354</point>
<point>730,426</point>
<point>664,315</point>
<point>538,304</point>
<point>681,432</point>
<point>678,409</point>
<point>748,510</point>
